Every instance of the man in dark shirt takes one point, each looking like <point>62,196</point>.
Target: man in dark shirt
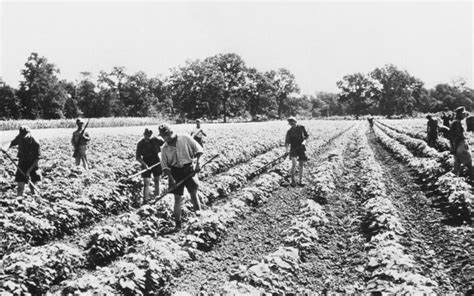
<point>28,156</point>
<point>295,141</point>
<point>459,145</point>
<point>432,130</point>
<point>79,141</point>
<point>446,117</point>
<point>147,154</point>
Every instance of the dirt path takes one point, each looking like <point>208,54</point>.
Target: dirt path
<point>337,264</point>
<point>331,266</point>
<point>444,253</point>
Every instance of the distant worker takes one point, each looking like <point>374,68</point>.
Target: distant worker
<point>446,116</point>
<point>295,141</point>
<point>371,121</point>
<point>177,157</point>
<point>459,145</point>
<point>80,139</point>
<point>28,157</point>
<point>432,130</point>
<point>147,155</point>
<point>198,133</point>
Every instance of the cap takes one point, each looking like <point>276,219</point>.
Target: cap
<point>291,118</point>
<point>164,128</point>
<point>79,121</point>
<point>460,109</point>
<point>24,130</point>
<point>198,120</point>
<point>148,131</point>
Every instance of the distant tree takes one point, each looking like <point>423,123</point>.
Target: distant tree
<point>452,96</point>
<point>259,91</point>
<point>9,102</point>
<point>229,75</point>
<point>193,89</point>
<point>317,106</point>
<point>41,94</point>
<point>357,91</point>
<point>89,101</point>
<point>395,91</point>
<point>139,94</point>
<point>425,103</point>
<point>71,106</point>
<point>284,84</point>
<point>332,106</point>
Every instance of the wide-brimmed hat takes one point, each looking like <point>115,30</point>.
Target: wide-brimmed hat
<point>291,118</point>
<point>79,121</point>
<point>198,120</point>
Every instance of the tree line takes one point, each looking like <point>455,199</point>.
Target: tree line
<point>216,87</point>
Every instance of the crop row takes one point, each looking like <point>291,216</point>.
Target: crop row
<point>107,243</point>
<point>451,190</point>
<point>415,129</point>
<point>391,269</point>
<point>271,273</point>
<point>72,200</point>
<point>418,147</point>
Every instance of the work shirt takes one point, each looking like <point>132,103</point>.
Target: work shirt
<point>181,153</point>
<point>296,135</point>
<point>78,140</point>
<point>197,133</point>
<point>457,133</point>
<point>446,117</point>
<point>432,127</point>
<point>149,149</point>
<point>28,147</point>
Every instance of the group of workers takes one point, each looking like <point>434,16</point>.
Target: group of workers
<point>180,159</point>
<point>453,130</point>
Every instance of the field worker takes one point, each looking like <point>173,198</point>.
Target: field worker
<point>459,146</point>
<point>371,121</point>
<point>147,155</point>
<point>295,141</point>
<point>446,117</point>
<point>198,133</point>
<point>432,130</point>
<point>177,157</point>
<point>28,157</point>
<point>79,141</point>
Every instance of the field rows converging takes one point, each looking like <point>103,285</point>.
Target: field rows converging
<point>379,211</point>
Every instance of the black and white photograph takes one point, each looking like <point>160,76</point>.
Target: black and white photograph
<point>285,147</point>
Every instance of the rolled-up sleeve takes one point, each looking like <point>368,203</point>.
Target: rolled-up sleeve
<point>195,147</point>
<point>305,133</point>
<point>164,159</point>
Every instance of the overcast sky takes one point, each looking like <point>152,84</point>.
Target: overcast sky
<point>319,42</point>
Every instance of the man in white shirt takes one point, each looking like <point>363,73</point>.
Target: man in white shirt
<point>177,156</point>
<point>198,133</point>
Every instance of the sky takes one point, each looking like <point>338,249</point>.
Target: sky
<point>319,42</point>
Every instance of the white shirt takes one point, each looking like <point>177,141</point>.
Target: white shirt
<point>197,132</point>
<point>183,153</point>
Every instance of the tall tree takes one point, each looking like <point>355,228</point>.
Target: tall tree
<point>88,99</point>
<point>398,91</point>
<point>9,102</point>
<point>357,91</point>
<point>284,84</point>
<point>41,93</point>
<point>230,75</point>
<point>259,90</point>
<point>71,106</point>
